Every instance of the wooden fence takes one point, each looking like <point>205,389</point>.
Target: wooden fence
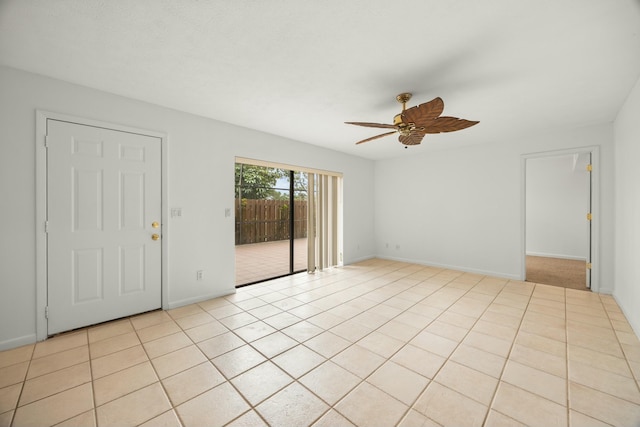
<point>268,220</point>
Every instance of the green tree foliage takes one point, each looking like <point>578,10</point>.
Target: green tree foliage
<point>257,182</point>
<point>300,185</point>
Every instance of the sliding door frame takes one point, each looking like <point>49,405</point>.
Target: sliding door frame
<point>292,189</point>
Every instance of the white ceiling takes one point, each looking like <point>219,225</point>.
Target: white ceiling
<point>300,68</point>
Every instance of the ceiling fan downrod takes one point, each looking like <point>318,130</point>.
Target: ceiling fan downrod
<point>403,128</point>
<point>403,98</point>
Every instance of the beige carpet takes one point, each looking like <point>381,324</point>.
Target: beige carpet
<point>566,273</point>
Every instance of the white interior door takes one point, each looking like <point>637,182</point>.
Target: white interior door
<point>103,210</point>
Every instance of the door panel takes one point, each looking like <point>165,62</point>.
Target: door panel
<point>104,193</point>
<point>87,275</point>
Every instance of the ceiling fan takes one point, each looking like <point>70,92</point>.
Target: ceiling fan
<point>414,123</point>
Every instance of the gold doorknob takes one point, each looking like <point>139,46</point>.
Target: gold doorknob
<point>155,237</point>
<point>155,224</point>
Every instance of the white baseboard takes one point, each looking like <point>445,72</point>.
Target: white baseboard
<point>17,342</point>
<point>455,267</point>
<point>360,259</point>
<point>187,301</point>
<point>636,328</point>
<point>560,256</point>
<point>606,291</point>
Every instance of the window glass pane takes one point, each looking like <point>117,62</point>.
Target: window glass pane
<point>263,223</point>
<point>300,182</point>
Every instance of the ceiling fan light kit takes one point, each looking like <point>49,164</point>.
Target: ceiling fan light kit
<point>414,123</point>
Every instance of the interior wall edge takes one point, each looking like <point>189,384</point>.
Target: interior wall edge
<point>627,209</point>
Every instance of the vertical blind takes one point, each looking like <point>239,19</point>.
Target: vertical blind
<point>324,228</point>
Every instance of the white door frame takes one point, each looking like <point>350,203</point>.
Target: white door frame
<point>41,207</point>
<point>595,207</point>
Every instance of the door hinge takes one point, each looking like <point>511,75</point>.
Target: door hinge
<point>46,226</point>
<point>589,216</point>
<point>589,167</point>
<point>46,312</point>
<point>588,266</point>
<point>46,141</point>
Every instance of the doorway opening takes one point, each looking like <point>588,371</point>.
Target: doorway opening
<point>270,222</point>
<point>558,216</point>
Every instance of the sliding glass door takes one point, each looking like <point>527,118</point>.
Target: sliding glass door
<point>271,222</point>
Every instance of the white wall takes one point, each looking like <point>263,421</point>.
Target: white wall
<point>557,202</point>
<point>463,208</point>
<point>627,206</point>
<point>201,155</point>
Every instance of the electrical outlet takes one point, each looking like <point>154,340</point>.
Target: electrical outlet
<point>199,274</point>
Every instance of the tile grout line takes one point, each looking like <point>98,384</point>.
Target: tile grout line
<point>361,380</point>
<point>24,381</point>
<point>164,390</point>
<point>566,352</point>
<point>226,379</point>
<point>624,353</point>
<point>508,356</point>
<point>444,285</point>
<point>84,331</point>
<point>432,380</point>
<point>624,357</point>
<point>93,384</point>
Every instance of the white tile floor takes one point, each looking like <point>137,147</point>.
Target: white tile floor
<point>378,343</point>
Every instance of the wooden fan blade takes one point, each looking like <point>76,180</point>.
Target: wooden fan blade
<point>448,124</point>
<point>424,114</point>
<point>375,137</point>
<point>373,125</point>
<point>414,138</point>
